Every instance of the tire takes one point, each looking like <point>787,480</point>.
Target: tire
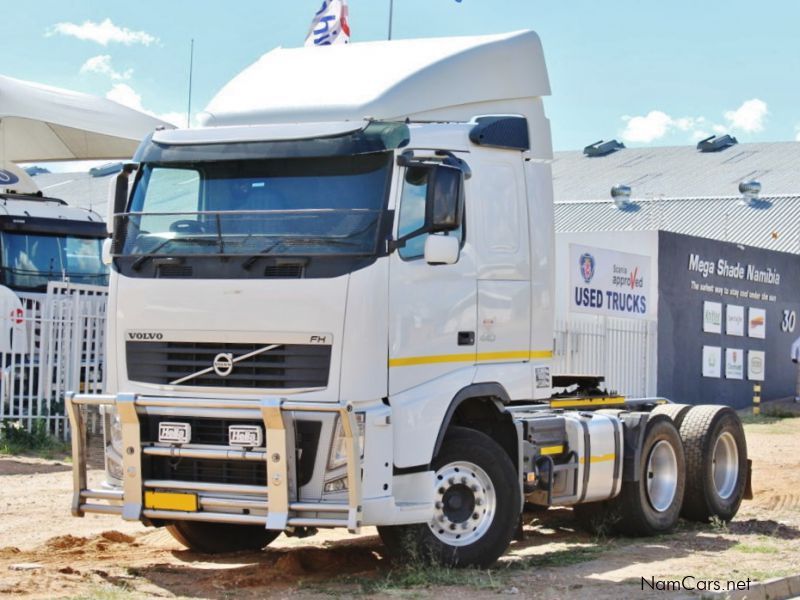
<point>652,505</point>
<point>712,437</point>
<point>676,412</point>
<point>220,538</point>
<point>472,471</point>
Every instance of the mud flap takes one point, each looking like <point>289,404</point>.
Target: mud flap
<point>748,488</point>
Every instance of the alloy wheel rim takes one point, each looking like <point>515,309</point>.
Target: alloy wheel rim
<point>465,503</point>
<point>725,465</point>
<point>662,476</point>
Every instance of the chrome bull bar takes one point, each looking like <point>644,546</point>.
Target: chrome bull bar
<point>278,498</point>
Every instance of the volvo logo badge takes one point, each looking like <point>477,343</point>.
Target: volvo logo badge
<point>223,364</point>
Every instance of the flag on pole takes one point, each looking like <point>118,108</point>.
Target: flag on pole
<point>330,25</point>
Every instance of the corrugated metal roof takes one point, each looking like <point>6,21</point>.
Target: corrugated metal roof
<point>678,171</point>
<point>774,222</point>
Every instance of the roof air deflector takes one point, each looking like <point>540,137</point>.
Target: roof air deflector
<point>716,143</point>
<point>603,148</point>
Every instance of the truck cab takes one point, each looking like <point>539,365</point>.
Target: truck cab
<point>332,305</point>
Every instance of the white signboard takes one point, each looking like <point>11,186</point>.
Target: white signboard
<point>606,282</point>
<point>734,319</point>
<point>712,317</point>
<point>756,365</point>
<point>712,361</point>
<point>734,363</point>
<point>757,323</point>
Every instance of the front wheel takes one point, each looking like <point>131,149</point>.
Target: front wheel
<point>477,506</point>
<point>220,538</point>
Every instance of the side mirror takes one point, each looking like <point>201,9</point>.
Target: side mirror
<point>444,206</point>
<point>442,249</point>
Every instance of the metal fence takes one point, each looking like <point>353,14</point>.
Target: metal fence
<point>623,350</point>
<point>50,344</point>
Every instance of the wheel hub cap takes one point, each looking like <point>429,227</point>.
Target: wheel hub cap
<point>725,465</point>
<point>464,505</point>
<point>662,476</point>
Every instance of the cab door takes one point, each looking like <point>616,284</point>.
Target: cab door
<point>432,307</point>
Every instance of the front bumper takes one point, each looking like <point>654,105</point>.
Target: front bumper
<point>273,506</point>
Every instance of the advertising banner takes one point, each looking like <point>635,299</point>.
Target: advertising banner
<point>712,317</point>
<point>727,318</point>
<point>606,282</point>
<point>734,321</point>
<point>712,361</point>
<point>734,363</point>
<point>755,365</point>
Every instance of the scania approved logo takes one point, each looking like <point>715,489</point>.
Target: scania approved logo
<point>586,263</point>
<point>223,364</point>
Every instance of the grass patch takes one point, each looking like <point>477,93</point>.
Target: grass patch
<point>17,440</point>
<point>769,416</point>
<point>418,576</point>
<point>762,545</point>
<point>107,592</point>
<point>560,558</point>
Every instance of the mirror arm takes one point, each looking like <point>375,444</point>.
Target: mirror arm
<point>400,242</point>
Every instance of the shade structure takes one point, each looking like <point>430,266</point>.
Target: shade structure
<point>42,123</point>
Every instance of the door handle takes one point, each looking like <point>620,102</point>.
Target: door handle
<point>466,338</point>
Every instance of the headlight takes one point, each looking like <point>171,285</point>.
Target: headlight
<point>112,428</point>
<point>112,436</point>
<point>338,454</point>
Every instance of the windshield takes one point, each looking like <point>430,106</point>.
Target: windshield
<point>307,207</point>
<point>30,261</point>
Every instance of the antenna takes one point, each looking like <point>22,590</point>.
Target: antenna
<point>391,17</point>
<point>191,68</point>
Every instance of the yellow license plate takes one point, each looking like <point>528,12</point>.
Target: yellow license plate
<point>171,501</point>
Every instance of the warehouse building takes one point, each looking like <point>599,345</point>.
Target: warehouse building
<point>694,286</point>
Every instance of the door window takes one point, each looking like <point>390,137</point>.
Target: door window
<point>412,213</point>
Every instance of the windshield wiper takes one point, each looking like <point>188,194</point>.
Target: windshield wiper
<point>137,264</point>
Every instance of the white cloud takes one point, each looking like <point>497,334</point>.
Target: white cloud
<point>103,33</point>
<point>648,128</point>
<point>655,125</point>
<point>127,96</point>
<point>797,132</point>
<point>102,64</point>
<point>749,117</point>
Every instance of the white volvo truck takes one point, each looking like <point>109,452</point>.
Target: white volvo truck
<point>332,306</point>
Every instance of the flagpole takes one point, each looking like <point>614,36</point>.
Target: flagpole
<point>391,16</point>
<point>191,69</point>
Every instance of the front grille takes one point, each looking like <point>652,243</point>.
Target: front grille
<point>232,472</point>
<point>214,432</point>
<point>286,366</point>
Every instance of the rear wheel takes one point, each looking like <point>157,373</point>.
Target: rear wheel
<point>716,463</point>
<point>676,412</point>
<point>652,504</point>
<point>477,506</point>
<point>220,538</point>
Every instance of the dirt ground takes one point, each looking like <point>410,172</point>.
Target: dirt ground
<point>46,553</point>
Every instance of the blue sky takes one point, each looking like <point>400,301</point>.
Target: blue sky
<point>648,72</point>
